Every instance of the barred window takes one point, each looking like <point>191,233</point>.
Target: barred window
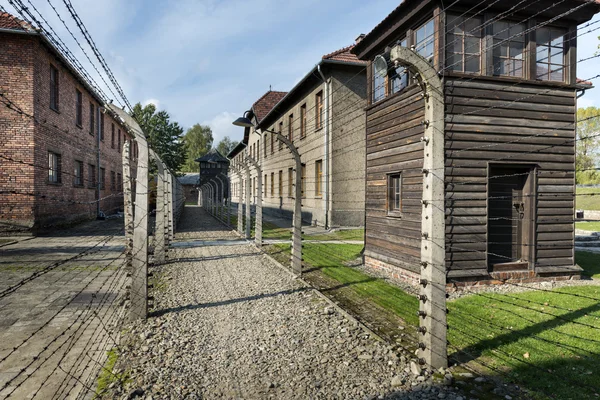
<point>394,194</point>
<point>54,167</point>
<point>463,43</point>
<point>550,55</point>
<point>78,174</point>
<point>509,48</point>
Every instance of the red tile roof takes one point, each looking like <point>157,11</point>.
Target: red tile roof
<point>265,104</point>
<point>343,55</point>
<point>9,21</point>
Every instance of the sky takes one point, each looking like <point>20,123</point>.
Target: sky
<point>207,61</point>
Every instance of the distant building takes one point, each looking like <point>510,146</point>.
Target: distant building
<point>323,115</point>
<point>61,155</point>
<point>213,164</point>
<point>190,186</point>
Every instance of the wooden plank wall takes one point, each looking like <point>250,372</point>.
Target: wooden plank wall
<point>394,130</point>
<point>489,122</point>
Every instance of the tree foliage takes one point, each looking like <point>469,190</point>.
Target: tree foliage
<point>588,145</point>
<point>163,136</point>
<point>226,145</point>
<point>198,141</point>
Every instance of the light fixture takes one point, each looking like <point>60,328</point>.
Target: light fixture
<point>244,121</point>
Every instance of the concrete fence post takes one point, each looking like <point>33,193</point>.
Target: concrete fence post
<point>161,212</point>
<point>297,221</point>
<point>127,206</point>
<point>432,309</point>
<point>171,207</point>
<point>258,222</point>
<point>229,195</point>
<point>240,211</point>
<point>221,199</point>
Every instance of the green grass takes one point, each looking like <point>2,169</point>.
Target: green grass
<point>545,341</point>
<point>590,262</point>
<point>330,259</point>
<point>587,202</point>
<point>588,226</point>
<point>346,234</point>
<point>107,376</point>
<point>538,339</point>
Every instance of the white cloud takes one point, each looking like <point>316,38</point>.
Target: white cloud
<point>152,101</point>
<point>222,125</point>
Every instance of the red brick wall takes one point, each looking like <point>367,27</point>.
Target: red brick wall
<point>60,133</point>
<point>25,78</point>
<point>16,132</point>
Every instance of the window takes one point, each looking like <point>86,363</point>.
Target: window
<point>463,43</point>
<point>254,186</point>
<point>102,178</point>
<point>79,109</point>
<point>272,184</point>
<point>113,181</point>
<point>92,108</point>
<point>119,141</point>
<point>319,110</point>
<point>399,78</point>
<point>508,48</point>
<point>379,81</point>
<point>291,128</point>
<point>272,143</point>
<point>78,173</point>
<point>550,56</point>
<point>53,167</point>
<point>303,121</point>
<point>303,181</point>
<point>101,125</point>
<point>265,146</point>
<point>91,176</point>
<point>290,182</point>
<point>319,178</point>
<point>280,183</point>
<point>266,186</point>
<point>281,133</point>
<point>54,88</point>
<point>112,136</point>
<point>394,194</point>
<point>257,150</point>
<point>425,39</point>
<point>119,182</point>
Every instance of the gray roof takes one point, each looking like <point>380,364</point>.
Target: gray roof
<point>212,155</point>
<point>189,179</point>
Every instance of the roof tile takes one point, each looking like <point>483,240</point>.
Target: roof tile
<point>9,21</point>
<point>343,55</point>
<point>265,104</point>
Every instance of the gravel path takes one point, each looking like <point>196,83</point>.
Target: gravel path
<point>229,323</point>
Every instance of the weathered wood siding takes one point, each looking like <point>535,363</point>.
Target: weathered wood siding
<point>394,130</point>
<point>492,122</point>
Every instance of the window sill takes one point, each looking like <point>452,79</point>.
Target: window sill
<point>56,110</point>
<point>79,126</point>
<point>394,214</point>
<point>317,129</point>
<point>78,186</point>
<point>54,183</point>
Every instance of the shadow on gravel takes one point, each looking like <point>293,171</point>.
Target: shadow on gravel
<point>159,313</point>
<point>208,258</point>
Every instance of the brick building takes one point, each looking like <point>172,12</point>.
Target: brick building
<point>59,153</point>
<point>323,115</point>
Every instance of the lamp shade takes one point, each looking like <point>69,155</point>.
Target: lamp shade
<point>243,121</point>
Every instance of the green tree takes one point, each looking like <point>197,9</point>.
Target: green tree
<point>198,141</point>
<point>163,136</point>
<point>226,145</point>
<point>588,144</point>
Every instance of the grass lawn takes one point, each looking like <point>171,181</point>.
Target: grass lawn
<point>590,262</point>
<point>546,341</point>
<point>587,202</point>
<point>345,234</point>
<point>588,226</point>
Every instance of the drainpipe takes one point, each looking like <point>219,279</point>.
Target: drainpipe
<point>326,146</point>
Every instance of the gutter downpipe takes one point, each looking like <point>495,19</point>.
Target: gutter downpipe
<point>326,143</point>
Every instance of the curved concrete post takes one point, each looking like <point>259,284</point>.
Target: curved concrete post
<point>297,222</point>
<point>221,199</point>
<point>240,213</point>
<point>171,207</point>
<point>433,326</point>
<point>161,212</point>
<point>258,222</point>
<point>127,206</point>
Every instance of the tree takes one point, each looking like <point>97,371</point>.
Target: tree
<point>226,145</point>
<point>198,141</point>
<point>588,144</point>
<point>163,136</point>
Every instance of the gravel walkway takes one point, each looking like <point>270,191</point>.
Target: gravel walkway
<point>229,323</point>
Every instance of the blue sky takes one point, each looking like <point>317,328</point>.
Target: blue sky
<point>207,61</point>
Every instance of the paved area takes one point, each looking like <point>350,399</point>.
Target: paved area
<point>229,323</point>
<point>59,300</point>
